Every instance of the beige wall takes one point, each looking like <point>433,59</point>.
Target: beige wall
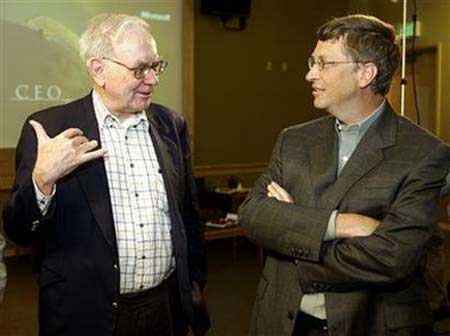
<point>240,107</point>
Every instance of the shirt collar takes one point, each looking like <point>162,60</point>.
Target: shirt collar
<point>105,117</point>
<point>363,125</point>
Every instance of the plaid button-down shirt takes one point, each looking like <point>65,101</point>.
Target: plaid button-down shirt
<point>138,200</point>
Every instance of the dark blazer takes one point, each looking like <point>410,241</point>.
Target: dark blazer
<point>78,276</point>
<point>373,285</point>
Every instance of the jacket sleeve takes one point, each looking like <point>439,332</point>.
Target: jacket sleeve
<point>288,229</point>
<point>393,252</point>
<point>22,217</point>
<point>193,226</point>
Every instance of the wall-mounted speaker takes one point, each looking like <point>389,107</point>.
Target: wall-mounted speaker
<point>226,8</point>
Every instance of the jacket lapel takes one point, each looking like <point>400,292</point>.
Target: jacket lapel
<point>166,150</point>
<point>323,154</point>
<point>168,157</point>
<point>92,177</point>
<point>366,156</point>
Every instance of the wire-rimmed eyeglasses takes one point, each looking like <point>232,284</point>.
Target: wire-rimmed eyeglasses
<point>143,70</point>
<point>321,63</point>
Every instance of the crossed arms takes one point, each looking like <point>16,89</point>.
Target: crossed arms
<point>366,252</point>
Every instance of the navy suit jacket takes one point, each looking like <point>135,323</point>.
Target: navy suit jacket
<point>78,278</point>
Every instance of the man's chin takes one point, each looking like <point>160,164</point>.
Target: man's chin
<point>142,105</point>
<point>318,104</point>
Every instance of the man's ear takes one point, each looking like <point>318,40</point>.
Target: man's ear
<point>97,70</point>
<point>368,73</point>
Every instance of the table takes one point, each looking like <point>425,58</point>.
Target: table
<point>233,232</point>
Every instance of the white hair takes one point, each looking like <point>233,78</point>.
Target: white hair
<point>105,30</point>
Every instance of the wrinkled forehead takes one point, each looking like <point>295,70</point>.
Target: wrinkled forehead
<point>136,33</point>
<point>136,42</point>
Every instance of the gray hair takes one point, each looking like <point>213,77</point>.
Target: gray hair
<point>105,30</point>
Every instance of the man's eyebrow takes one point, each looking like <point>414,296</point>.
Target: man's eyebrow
<point>139,63</point>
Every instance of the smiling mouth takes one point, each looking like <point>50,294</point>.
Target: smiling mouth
<point>145,94</point>
<point>316,91</point>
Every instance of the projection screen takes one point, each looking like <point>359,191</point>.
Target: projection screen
<point>40,64</point>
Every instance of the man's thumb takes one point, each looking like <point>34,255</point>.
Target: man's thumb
<point>41,134</point>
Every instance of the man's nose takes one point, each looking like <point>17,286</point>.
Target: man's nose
<point>151,78</point>
<point>312,74</point>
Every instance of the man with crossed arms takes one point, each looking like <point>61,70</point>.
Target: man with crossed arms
<point>348,201</point>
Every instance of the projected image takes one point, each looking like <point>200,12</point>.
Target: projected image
<point>40,62</point>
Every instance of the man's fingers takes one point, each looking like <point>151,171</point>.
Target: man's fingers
<point>87,146</point>
<point>273,192</point>
<point>79,140</point>
<point>93,155</point>
<point>71,133</point>
<point>278,188</point>
<point>41,134</point>
<point>279,192</point>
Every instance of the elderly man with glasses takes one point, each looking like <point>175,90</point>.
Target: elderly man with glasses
<point>349,201</point>
<point>104,184</point>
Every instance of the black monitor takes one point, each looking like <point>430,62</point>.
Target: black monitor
<point>236,8</point>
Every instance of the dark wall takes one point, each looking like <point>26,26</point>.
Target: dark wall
<point>240,106</point>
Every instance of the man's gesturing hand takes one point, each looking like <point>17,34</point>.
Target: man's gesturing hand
<point>276,191</point>
<point>58,156</point>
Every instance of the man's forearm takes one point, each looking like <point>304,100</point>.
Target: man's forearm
<point>285,228</point>
<point>349,225</point>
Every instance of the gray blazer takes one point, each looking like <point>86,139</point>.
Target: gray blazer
<point>373,285</point>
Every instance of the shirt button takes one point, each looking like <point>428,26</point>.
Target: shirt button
<point>126,137</point>
<point>34,225</point>
<point>141,287</point>
<point>160,170</point>
<point>131,165</point>
<point>141,225</point>
<point>143,257</point>
<point>115,266</point>
<point>136,194</point>
<point>115,305</point>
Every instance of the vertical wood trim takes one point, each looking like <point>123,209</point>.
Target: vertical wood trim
<point>7,163</point>
<point>188,67</point>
